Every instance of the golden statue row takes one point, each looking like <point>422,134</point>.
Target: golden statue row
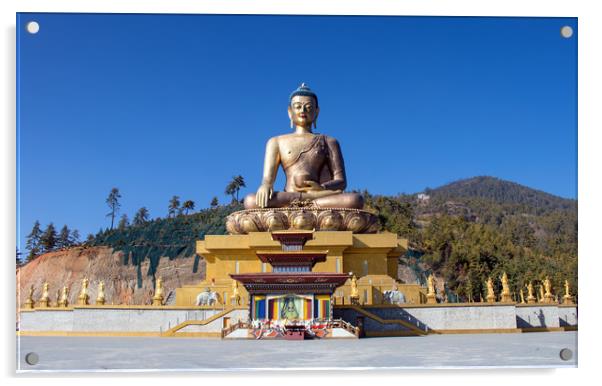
<point>83,299</point>
<point>545,292</point>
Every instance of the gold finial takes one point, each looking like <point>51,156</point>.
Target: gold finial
<point>45,299</point>
<point>158,298</point>
<point>490,291</point>
<point>100,299</point>
<point>235,297</point>
<point>541,294</point>
<point>506,297</point>
<point>83,298</point>
<point>431,296</point>
<point>522,296</point>
<point>29,303</point>
<point>64,302</point>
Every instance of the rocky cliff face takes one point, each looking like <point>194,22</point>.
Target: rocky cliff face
<point>69,267</point>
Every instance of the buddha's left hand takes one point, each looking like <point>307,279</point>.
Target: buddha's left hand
<point>313,194</point>
<point>310,186</point>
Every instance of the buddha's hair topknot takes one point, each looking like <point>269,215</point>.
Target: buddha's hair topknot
<point>303,90</point>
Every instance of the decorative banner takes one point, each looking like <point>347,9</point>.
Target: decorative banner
<point>258,311</point>
<point>288,306</point>
<point>321,306</point>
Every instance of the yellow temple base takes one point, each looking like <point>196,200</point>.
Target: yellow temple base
<point>372,258</point>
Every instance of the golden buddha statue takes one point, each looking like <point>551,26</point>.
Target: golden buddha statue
<point>64,302</point>
<point>29,302</point>
<point>490,292</point>
<point>431,296</point>
<point>83,298</point>
<point>100,298</point>
<point>312,162</point>
<point>522,297</point>
<point>235,297</point>
<point>567,298</point>
<point>548,297</point>
<point>158,297</point>
<point>530,296</point>
<point>45,299</point>
<point>506,297</point>
<point>355,293</point>
<point>58,297</point>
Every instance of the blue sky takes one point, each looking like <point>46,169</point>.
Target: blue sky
<point>163,105</point>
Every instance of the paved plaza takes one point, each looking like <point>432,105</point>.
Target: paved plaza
<point>479,350</point>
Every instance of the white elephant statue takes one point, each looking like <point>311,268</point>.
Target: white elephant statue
<point>394,297</point>
<point>206,298</point>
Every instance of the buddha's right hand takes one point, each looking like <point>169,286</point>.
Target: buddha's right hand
<point>264,193</point>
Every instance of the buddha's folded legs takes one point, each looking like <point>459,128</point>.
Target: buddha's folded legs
<point>284,199</point>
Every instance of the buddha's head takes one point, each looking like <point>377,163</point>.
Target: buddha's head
<point>303,107</point>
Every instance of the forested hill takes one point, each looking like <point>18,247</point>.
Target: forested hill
<point>471,229</point>
<point>501,192</point>
<point>464,232</point>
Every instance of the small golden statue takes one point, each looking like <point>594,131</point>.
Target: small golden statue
<point>58,297</point>
<point>506,297</point>
<point>83,298</point>
<point>568,299</point>
<point>100,299</point>
<point>522,297</point>
<point>431,296</point>
<point>235,297</point>
<point>548,297</point>
<point>158,298</point>
<point>490,292</point>
<point>29,303</point>
<point>530,297</point>
<point>541,294</point>
<point>45,299</point>
<point>64,302</point>
<point>355,293</point>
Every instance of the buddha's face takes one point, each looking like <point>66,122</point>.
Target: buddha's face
<point>303,111</point>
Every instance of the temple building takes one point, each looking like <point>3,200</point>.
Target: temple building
<point>307,270</point>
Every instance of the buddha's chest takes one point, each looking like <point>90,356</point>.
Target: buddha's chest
<point>309,149</point>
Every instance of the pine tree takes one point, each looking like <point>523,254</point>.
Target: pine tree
<point>32,243</point>
<point>234,187</point>
<point>187,206</point>
<point>214,202</point>
<point>174,206</point>
<point>113,203</point>
<point>74,238</point>
<point>124,221</point>
<point>48,239</point>
<point>141,216</point>
<point>90,239</point>
<point>64,237</point>
<point>19,262</point>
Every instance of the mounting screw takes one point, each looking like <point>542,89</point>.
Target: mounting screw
<point>566,354</point>
<point>32,358</point>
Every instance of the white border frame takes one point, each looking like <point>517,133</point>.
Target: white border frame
<point>590,126</point>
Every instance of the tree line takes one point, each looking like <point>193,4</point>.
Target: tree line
<point>40,241</point>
